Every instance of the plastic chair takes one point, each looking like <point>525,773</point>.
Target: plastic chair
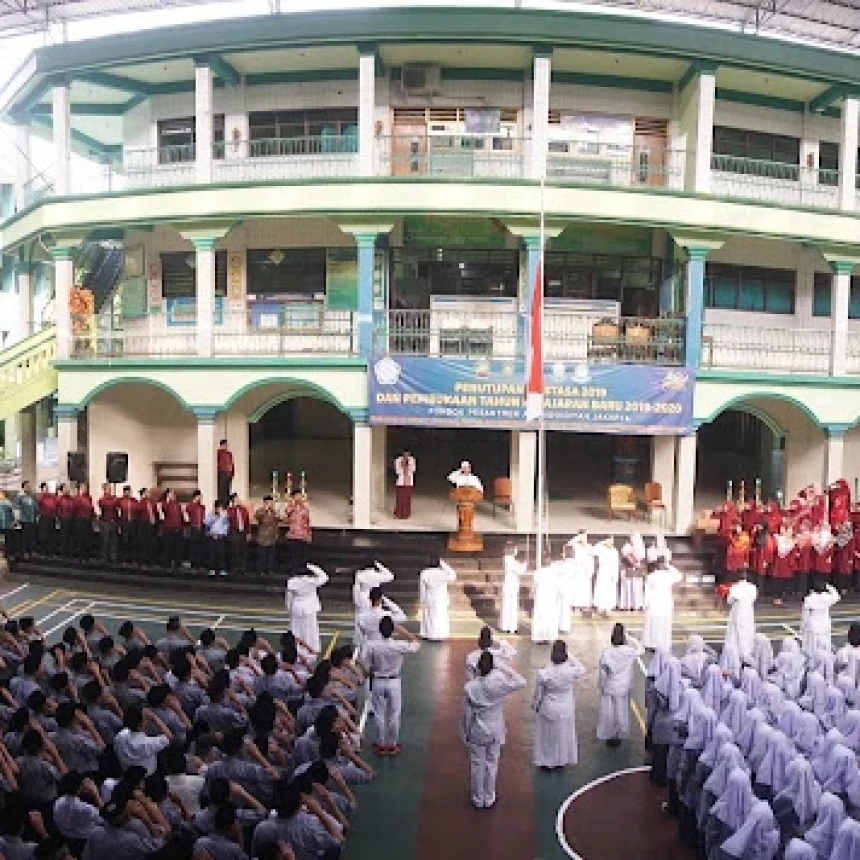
<point>654,500</point>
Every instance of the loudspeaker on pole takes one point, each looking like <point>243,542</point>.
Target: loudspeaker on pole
<point>117,467</point>
<point>76,467</point>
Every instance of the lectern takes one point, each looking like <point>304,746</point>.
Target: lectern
<point>466,540</point>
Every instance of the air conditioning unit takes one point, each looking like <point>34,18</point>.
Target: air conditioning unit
<point>420,79</point>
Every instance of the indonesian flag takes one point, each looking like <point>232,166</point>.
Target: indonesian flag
<point>534,365</point>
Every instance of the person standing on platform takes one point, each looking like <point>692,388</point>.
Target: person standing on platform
<point>27,515</point>
<point>822,553</point>
<point>217,525</point>
<point>737,553</point>
<point>65,506</point>
<point>784,561</point>
<point>267,536</point>
<point>815,623</point>
<point>299,535</point>
<point>240,524</point>
<point>464,477</point>
<point>366,579</point>
<point>581,578</point>
<point>384,660</point>
<point>7,524</point>
<point>404,470</point>
<point>660,606</point>
<point>482,725</point>
<point>147,528</point>
<point>195,514</point>
<point>47,502</point>
<point>225,469</point>
<point>606,577</point>
<point>740,629</point>
<point>172,522</point>
<point>554,703</point>
<point>435,603</point>
<point>83,513</point>
<point>502,651</point>
<point>843,556</point>
<point>127,525</point>
<point>108,511</point>
<point>549,609</point>
<point>803,559</point>
<point>513,572</point>
<point>632,584</point>
<point>614,682</point>
<point>303,604</point>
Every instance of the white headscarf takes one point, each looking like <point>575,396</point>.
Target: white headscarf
<point>711,754</point>
<point>772,771</point>
<point>758,837</point>
<point>751,684</point>
<point>729,759</point>
<point>815,697</point>
<point>762,655</point>
<point>834,708</point>
<point>703,721</point>
<point>791,664</point>
<point>845,682</point>
<point>808,730</point>
<point>831,814</point>
<point>851,730</point>
<point>843,770</point>
<point>694,660</point>
<point>730,662</point>
<point>790,718</point>
<point>803,790</point>
<point>772,701</point>
<point>735,802</point>
<point>658,662</point>
<point>746,739</point>
<point>822,759</point>
<point>797,849</point>
<point>714,687</point>
<point>668,683</point>
<point>847,844</point>
<point>761,745</point>
<point>734,713</point>
<point>822,661</point>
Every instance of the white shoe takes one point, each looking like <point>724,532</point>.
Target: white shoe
<point>223,573</point>
<point>211,573</point>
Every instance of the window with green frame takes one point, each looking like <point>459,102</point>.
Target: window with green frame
<point>750,288</point>
<point>303,132</point>
<point>738,150</point>
<point>822,296</point>
<point>828,164</point>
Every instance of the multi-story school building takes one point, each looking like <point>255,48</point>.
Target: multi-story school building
<point>317,236</point>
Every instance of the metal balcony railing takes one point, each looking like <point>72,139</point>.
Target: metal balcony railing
<point>786,350</point>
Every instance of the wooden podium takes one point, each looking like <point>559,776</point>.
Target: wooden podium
<point>465,540</point>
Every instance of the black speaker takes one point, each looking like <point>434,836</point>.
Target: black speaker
<point>117,467</point>
<point>76,467</point>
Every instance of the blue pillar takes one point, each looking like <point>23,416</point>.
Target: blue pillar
<point>695,305</point>
<point>532,259</point>
<point>366,243</point>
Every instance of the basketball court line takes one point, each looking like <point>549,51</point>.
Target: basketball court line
<point>17,590</point>
<point>562,810</point>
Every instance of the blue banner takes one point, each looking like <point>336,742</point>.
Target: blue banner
<point>599,398</point>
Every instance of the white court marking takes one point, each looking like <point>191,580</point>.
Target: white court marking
<point>14,591</point>
<point>67,621</point>
<point>562,810</point>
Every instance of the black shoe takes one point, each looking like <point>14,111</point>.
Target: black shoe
<point>613,742</point>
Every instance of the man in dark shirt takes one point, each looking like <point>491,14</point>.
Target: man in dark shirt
<point>47,503</point>
<point>65,508</point>
<point>226,470</point>
<point>195,511</point>
<point>107,523</point>
<point>127,526</point>
<point>172,521</point>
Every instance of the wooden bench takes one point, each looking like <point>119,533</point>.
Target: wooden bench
<point>182,478</point>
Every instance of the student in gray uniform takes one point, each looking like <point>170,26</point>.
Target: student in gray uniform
<point>225,841</point>
<point>76,740</point>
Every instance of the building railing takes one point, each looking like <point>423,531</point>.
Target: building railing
<point>756,179</point>
<point>786,350</point>
<point>287,158</point>
<point>568,336</point>
<point>589,162</point>
<point>454,156</point>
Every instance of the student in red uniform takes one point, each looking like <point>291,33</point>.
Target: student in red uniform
<point>727,514</point>
<point>65,506</point>
<point>839,496</point>
<point>240,523</point>
<point>761,556</point>
<point>822,555</point>
<point>738,553</point>
<point>107,524</point>
<point>226,469</point>
<point>803,561</point>
<point>843,556</point>
<point>856,578</point>
<point>784,561</point>
<point>83,513</point>
<point>195,513</point>
<point>147,529</point>
<point>47,503</point>
<point>127,526</point>
<point>750,516</point>
<point>772,517</point>
<point>172,521</point>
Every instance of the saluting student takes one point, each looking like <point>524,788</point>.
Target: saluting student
<point>240,523</point>
<point>147,525</point>
<point>514,570</point>
<point>108,511</point>
<point>435,620</point>
<point>47,502</point>
<point>303,604</point>
<point>614,681</point>
<point>195,514</point>
<point>172,522</point>
<point>127,524</point>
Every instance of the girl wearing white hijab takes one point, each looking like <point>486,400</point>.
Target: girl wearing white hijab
<point>734,713</point>
<point>848,656</point>
<point>700,730</point>
<point>752,685</point>
<point>828,820</point>
<point>851,730</point>
<point>762,656</point>
<point>815,697</point>
<point>848,686</point>
<point>824,662</point>
<point>714,687</point>
<point>729,759</point>
<point>729,812</point>
<point>796,805</point>
<point>698,655</point>
<point>632,582</point>
<point>740,628</point>
<point>789,719</point>
<point>668,694</point>
<point>757,839</point>
<point>730,663</point>
<point>822,759</point>
<point>807,733</point>
<point>753,719</point>
<point>834,708</point>
<point>772,701</point>
<point>790,667</point>
<point>660,606</point>
<point>614,681</point>
<point>847,844</point>
<point>710,756</point>
<point>760,746</point>
<point>797,849</point>
<point>844,776</point>
<point>771,776</point>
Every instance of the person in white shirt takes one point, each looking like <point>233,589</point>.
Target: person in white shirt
<point>555,705</point>
<point>384,662</point>
<point>502,651</point>
<point>606,577</point>
<point>134,747</point>
<point>463,477</point>
<point>435,617</point>
<point>514,570</point>
<point>614,681</point>
<point>482,725</point>
<point>658,550</point>
<point>404,470</point>
<point>815,624</point>
<point>548,604</point>
<point>581,576</point>
<point>366,579</point>
<point>632,573</point>
<point>660,606</point>
<point>303,604</point>
<point>368,621</point>
<point>740,630</point>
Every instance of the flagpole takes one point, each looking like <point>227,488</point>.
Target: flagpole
<point>541,440</point>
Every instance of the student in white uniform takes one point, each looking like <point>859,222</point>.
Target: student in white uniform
<point>815,625</point>
<point>502,651</point>
<point>368,621</point>
<point>582,574</point>
<point>482,725</point>
<point>740,629</point>
<point>464,477</point>
<point>365,579</point>
<point>606,577</point>
<point>385,662</point>
<point>614,681</point>
<point>658,550</point>
<point>435,618</point>
<point>632,574</point>
<point>548,609</point>
<point>514,571</point>
<point>555,705</point>
<point>303,604</point>
<point>660,606</point>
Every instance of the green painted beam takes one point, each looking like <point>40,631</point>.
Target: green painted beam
<point>301,77</point>
<point>131,104</point>
<point>85,145</point>
<point>450,73</point>
<point>825,99</point>
<point>82,109</point>
<point>760,100</point>
<point>115,82</point>
<point>223,70</point>
<point>584,79</point>
<point>32,100</point>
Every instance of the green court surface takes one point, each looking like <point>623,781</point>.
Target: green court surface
<point>418,807</point>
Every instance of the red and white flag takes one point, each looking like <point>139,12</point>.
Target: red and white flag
<point>534,365</point>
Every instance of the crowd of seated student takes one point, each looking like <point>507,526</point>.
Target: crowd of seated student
<point>118,747</point>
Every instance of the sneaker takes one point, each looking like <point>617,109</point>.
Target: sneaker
<point>211,573</point>
<point>223,573</point>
